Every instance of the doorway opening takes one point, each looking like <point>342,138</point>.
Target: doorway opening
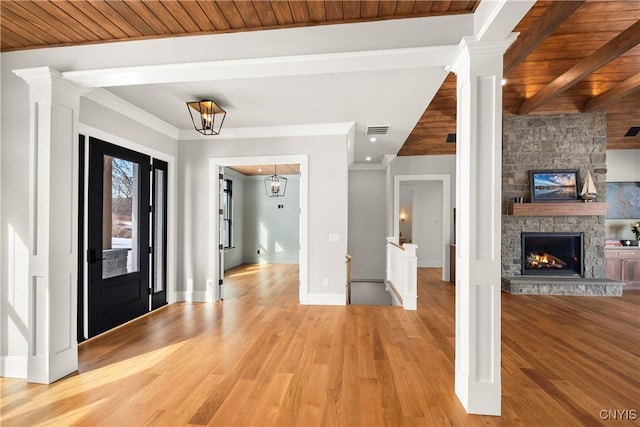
<point>444,217</point>
<point>267,218</point>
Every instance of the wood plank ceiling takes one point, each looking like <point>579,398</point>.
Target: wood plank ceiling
<point>575,56</point>
<point>282,169</point>
<point>570,57</point>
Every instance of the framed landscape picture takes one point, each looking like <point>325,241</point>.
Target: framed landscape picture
<point>623,200</point>
<point>554,185</point>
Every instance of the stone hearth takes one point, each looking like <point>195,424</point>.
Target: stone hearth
<point>531,285</point>
<point>560,141</point>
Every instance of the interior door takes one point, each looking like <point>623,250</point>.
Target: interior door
<point>159,235</point>
<point>118,235</point>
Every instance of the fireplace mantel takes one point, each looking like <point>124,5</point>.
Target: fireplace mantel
<point>557,209</point>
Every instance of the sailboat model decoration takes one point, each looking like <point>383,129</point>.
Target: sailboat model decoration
<point>588,193</point>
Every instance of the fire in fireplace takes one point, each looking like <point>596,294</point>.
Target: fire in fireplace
<point>552,254</point>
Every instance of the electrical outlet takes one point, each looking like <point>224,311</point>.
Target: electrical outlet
<point>325,281</point>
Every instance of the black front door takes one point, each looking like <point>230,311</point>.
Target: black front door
<point>118,235</point>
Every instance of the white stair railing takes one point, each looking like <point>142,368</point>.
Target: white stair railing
<point>402,273</point>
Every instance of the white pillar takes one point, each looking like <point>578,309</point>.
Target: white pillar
<point>478,243</point>
<point>53,206</point>
<point>410,277</point>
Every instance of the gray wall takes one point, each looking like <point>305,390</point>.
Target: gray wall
<point>559,141</point>
<point>367,213</point>
<point>273,231</point>
<point>258,223</point>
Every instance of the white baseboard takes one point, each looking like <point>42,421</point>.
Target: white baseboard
<point>13,367</point>
<point>429,263</point>
<point>326,299</point>
<point>194,296</point>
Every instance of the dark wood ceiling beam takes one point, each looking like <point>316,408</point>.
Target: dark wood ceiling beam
<point>546,24</point>
<point>626,40</point>
<point>618,91</point>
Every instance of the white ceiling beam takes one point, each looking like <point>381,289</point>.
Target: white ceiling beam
<point>387,59</point>
<point>493,20</point>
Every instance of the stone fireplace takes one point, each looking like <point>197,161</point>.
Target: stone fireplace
<point>552,254</point>
<point>558,141</point>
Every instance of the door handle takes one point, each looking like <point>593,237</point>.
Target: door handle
<point>93,258</point>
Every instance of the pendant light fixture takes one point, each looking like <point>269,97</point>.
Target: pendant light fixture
<point>275,185</point>
<point>208,118</point>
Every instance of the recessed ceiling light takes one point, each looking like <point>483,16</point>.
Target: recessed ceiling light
<point>504,82</point>
<point>368,159</point>
<point>633,131</point>
<point>259,170</point>
<point>373,139</point>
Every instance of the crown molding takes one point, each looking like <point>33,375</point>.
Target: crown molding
<point>119,105</point>
<point>321,129</point>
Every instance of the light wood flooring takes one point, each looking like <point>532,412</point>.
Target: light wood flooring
<point>259,358</point>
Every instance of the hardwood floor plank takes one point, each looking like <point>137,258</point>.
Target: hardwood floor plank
<point>260,358</point>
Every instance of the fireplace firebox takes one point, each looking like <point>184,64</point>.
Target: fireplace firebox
<point>552,254</point>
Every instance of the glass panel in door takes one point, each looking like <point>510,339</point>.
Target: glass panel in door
<point>159,234</point>
<point>119,218</point>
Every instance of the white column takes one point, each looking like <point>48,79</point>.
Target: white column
<point>53,206</point>
<point>478,243</point>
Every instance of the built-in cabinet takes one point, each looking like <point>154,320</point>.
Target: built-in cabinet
<point>623,264</point>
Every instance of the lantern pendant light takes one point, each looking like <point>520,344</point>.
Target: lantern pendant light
<point>207,116</point>
<point>275,185</point>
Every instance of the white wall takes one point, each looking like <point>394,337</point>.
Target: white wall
<point>14,226</point>
<point>327,208</point>
<point>427,222</point>
<point>367,213</point>
<point>274,231</point>
<point>622,166</point>
<point>233,257</point>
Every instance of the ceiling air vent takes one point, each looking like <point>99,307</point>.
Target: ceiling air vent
<point>633,131</point>
<point>451,138</point>
<point>377,130</point>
